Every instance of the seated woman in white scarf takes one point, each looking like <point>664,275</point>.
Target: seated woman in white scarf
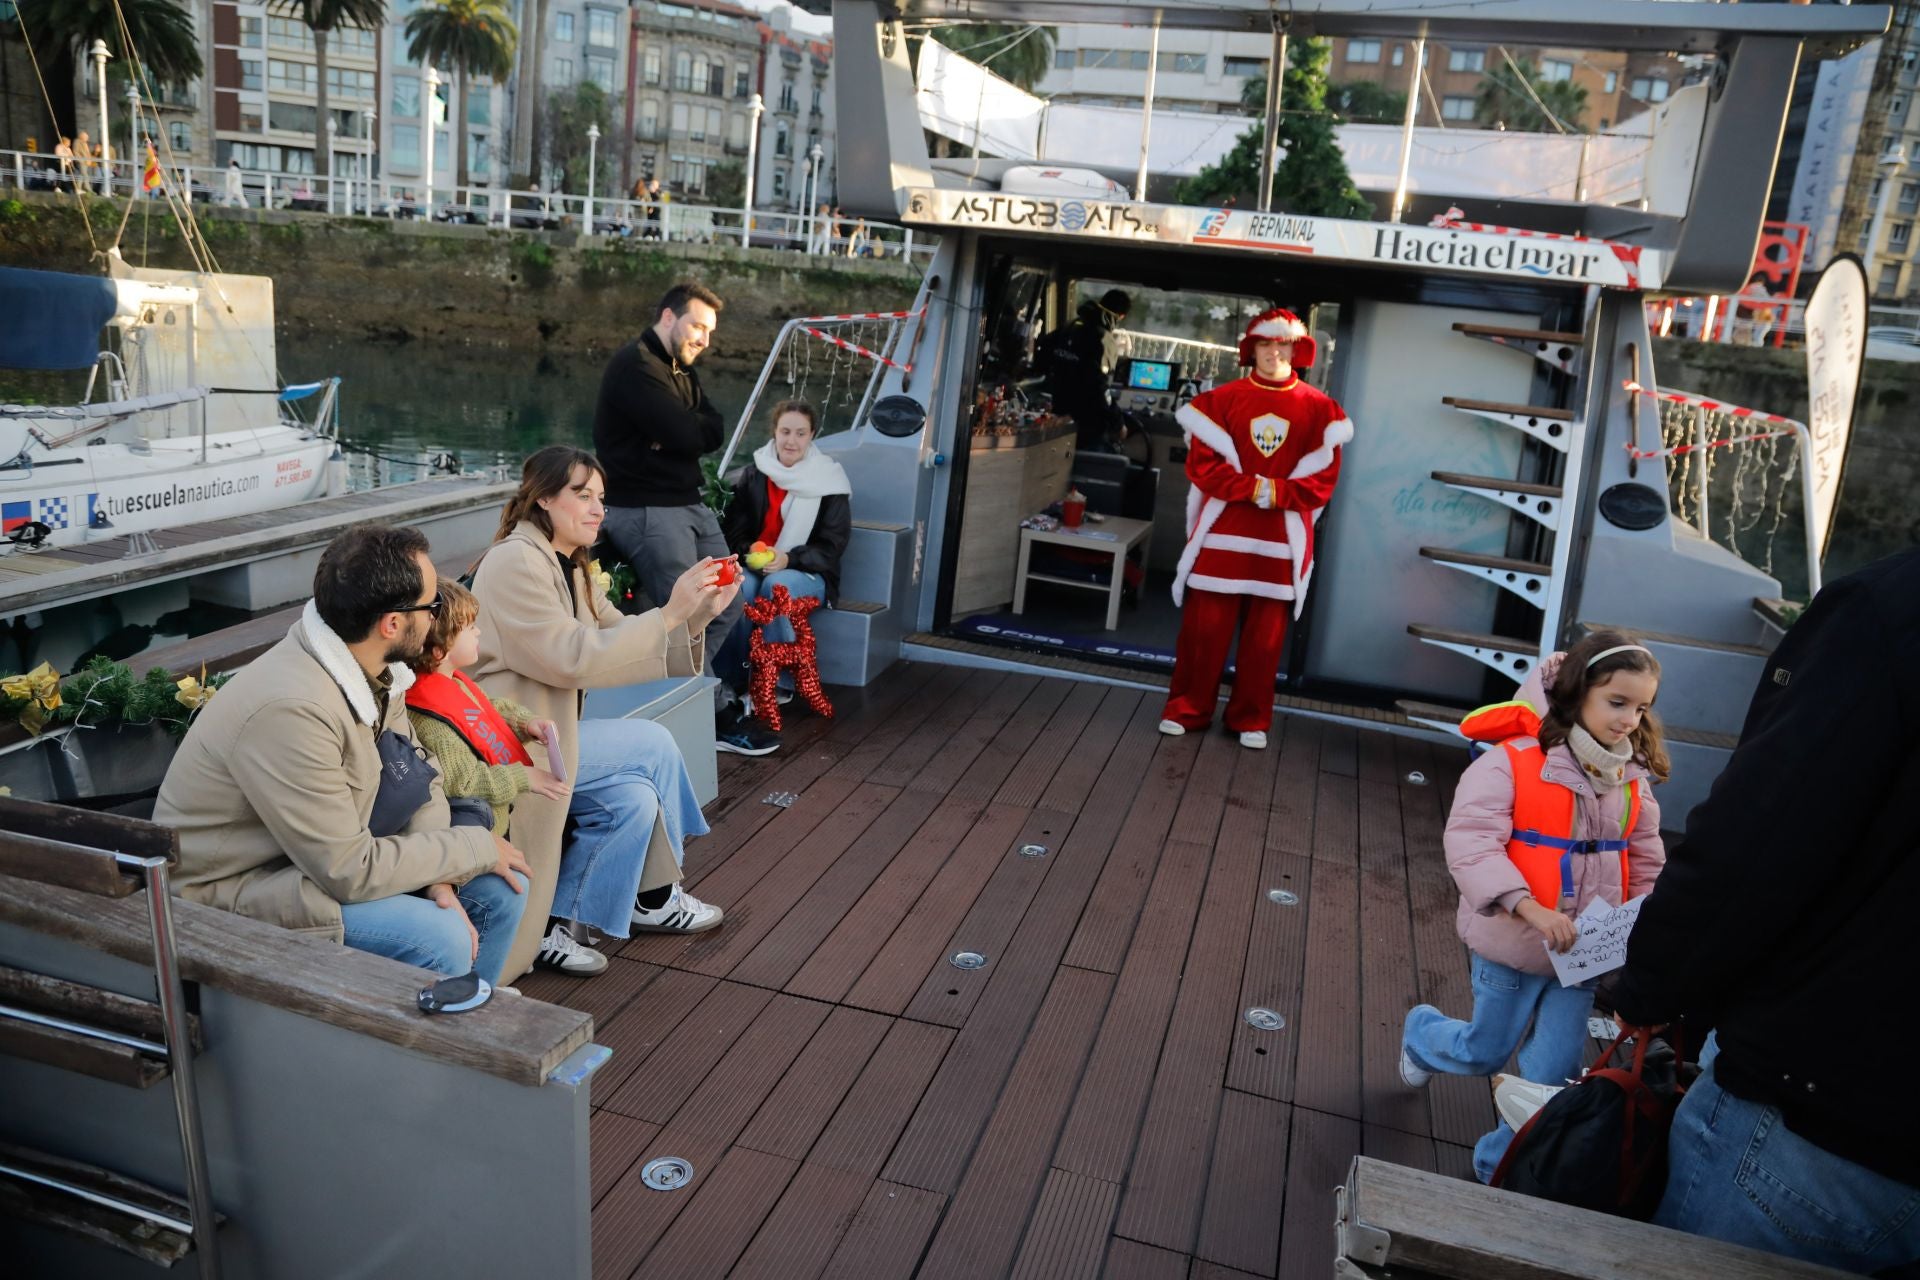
<point>795,499</point>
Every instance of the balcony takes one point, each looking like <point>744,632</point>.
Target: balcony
<point>736,148</point>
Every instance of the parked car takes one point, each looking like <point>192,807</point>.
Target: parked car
<point>1893,342</point>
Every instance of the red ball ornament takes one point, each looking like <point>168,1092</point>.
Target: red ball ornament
<point>728,575</point>
<point>769,658</point>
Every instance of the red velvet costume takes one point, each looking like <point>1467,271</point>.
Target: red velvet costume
<point>1262,458</point>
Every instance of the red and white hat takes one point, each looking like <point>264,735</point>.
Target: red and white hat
<point>1281,324</point>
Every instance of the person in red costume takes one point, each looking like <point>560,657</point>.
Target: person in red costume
<point>1263,454</point>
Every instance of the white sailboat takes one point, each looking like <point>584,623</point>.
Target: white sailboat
<point>183,421</point>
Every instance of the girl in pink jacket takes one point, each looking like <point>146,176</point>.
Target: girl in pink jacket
<point>1582,724</point>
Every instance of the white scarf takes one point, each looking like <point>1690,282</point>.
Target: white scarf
<point>812,478</point>
<point>338,661</point>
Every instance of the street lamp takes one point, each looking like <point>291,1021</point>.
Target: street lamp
<point>813,182</point>
<point>366,115</point>
<point>133,133</point>
<point>755,107</point>
<point>1890,166</point>
<point>432,108</point>
<point>333,174</point>
<point>100,56</point>
<point>593,152</point>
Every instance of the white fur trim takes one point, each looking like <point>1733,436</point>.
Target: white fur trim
<point>1248,546</point>
<point>1199,426</point>
<point>1240,587</point>
<point>1279,327</point>
<point>1209,514</point>
<point>1336,434</point>
<point>338,662</point>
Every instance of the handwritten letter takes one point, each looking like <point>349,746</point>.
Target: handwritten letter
<point>1602,946</point>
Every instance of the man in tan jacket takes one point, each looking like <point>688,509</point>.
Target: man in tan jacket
<point>289,810</point>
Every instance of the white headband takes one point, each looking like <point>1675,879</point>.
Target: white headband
<point>1619,648</point>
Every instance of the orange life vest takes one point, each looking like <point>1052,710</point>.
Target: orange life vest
<point>1542,843</point>
<point>458,702</point>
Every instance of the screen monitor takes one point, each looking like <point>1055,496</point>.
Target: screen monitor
<point>1150,375</point>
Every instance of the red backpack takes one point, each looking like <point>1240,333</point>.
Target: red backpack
<point>1602,1143</point>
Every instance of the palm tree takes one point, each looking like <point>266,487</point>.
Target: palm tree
<point>1020,54</point>
<point>526,95</point>
<point>475,38</point>
<point>1505,103</point>
<point>322,17</point>
<point>164,44</point>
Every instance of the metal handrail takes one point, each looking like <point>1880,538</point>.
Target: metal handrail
<point>887,350</point>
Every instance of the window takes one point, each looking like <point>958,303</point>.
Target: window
<point>291,117</point>
<point>405,103</point>
<point>697,126</point>
<point>249,73</point>
<point>676,171</point>
<point>737,132</point>
<point>1100,58</point>
<point>294,77</point>
<point>442,153</point>
<point>1889,280</point>
<point>743,81</point>
<point>250,33</point>
<point>179,135</point>
<point>1613,82</point>
<point>1466,59</point>
<point>251,121</point>
<point>1452,108</point>
<point>700,77</point>
<point>651,63</point>
<point>1363,51</point>
<point>780,184</point>
<point>649,125</point>
<point>786,95</point>
<point>403,147</point>
<point>479,104</point>
<point>600,70</point>
<point>1063,60</point>
<point>1245,67</point>
<point>1899,235</point>
<point>1910,197</point>
<point>683,71</point>
<point>346,83</point>
<point>1552,69</point>
<point>600,28</point>
<point>717,80</point>
<point>1399,54</point>
<point>696,174</point>
<point>818,87</point>
<point>679,119</point>
<point>1187,63</point>
<point>292,34</point>
<point>563,28</point>
<point>1648,89</point>
<point>716,123</point>
<point>782,140</point>
<point>478,153</point>
<point>563,71</point>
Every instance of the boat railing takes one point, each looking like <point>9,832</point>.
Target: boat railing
<point>352,193</point>
<point>326,414</point>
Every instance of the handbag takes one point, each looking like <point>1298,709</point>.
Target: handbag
<point>406,784</point>
<point>1601,1144</point>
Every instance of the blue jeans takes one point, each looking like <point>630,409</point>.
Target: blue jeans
<point>629,771</point>
<point>1737,1173</point>
<point>731,662</point>
<point>1511,1009</point>
<point>413,929</point>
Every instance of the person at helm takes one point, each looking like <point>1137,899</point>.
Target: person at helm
<point>1078,358</point>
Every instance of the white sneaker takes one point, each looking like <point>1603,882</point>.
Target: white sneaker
<point>1412,1074</point>
<point>1517,1100</point>
<point>1173,728</point>
<point>681,913</point>
<point>1254,740</point>
<point>559,950</point>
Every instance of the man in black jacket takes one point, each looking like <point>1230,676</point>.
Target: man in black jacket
<point>1079,366</point>
<point>1782,921</point>
<point>651,426</point>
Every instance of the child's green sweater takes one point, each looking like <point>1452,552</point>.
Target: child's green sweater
<point>464,774</point>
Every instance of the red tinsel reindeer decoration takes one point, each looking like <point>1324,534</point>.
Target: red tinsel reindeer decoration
<point>770,658</point>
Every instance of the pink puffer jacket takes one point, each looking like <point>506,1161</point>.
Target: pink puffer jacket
<point>1491,885</point>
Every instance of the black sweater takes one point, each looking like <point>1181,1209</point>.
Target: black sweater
<point>1784,916</point>
<point>747,515</point>
<point>651,426</point>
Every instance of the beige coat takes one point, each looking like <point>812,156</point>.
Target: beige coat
<point>272,788</point>
<point>536,652</point>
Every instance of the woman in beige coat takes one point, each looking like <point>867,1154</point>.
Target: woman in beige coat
<point>548,633</point>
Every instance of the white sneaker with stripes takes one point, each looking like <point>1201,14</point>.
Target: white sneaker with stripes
<point>559,950</point>
<point>681,913</point>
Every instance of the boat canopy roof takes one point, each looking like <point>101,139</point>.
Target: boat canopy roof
<point>52,320</point>
<point>1670,26</point>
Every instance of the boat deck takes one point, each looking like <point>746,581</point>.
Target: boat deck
<point>61,575</point>
<point>1093,1099</point>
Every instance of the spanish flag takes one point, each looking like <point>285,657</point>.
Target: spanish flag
<point>150,178</point>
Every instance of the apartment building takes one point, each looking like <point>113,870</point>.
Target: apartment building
<point>693,68</point>
<point>797,85</point>
<point>1882,199</point>
<point>264,86</point>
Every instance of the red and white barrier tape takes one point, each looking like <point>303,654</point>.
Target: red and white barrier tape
<point>855,347</point>
<point>1788,425</point>
<point>867,315</point>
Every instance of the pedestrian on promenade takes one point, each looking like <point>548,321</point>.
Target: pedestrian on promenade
<point>1783,922</point>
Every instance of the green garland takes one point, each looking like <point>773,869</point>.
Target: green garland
<point>105,692</point>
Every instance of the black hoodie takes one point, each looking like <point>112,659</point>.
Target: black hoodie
<point>651,426</point>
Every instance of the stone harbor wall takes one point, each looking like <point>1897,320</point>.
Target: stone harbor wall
<point>402,281</point>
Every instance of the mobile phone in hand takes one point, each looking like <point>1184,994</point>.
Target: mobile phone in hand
<point>555,765</point>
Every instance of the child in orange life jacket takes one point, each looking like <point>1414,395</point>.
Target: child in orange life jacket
<point>1559,813</point>
<point>476,743</point>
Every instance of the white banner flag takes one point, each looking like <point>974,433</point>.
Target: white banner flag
<point>1836,348</point>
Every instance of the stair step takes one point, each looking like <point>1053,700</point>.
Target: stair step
<point>1519,410</point>
<point>857,639</point>
<point>95,1204</point>
<point>1690,642</point>
<point>1494,482</point>
<point>1509,656</point>
<point>1430,712</point>
<point>1527,579</point>
<point>857,606</point>
<point>1531,335</point>
<point>1532,568</point>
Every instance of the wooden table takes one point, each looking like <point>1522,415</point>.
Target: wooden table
<point>1116,535</point>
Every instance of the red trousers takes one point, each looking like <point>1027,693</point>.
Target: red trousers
<point>1207,625</point>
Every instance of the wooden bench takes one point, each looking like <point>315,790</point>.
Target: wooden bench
<point>1414,1225</point>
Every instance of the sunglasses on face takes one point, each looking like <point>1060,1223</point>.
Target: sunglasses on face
<point>431,607</point>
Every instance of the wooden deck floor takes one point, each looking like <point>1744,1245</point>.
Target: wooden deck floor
<point>1091,1102</point>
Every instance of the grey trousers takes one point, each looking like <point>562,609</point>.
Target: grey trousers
<point>661,543</point>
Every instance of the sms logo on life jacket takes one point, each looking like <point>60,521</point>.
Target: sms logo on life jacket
<point>1269,432</point>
